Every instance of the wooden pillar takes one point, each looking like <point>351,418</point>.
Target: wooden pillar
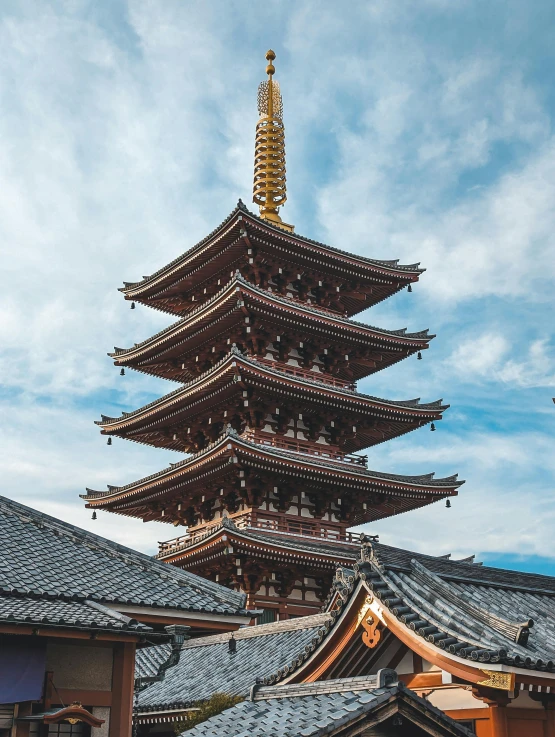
<point>23,710</point>
<point>123,674</point>
<point>550,722</point>
<point>498,720</point>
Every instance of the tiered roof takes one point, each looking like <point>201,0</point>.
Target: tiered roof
<point>221,321</point>
<point>222,387</point>
<point>397,493</point>
<point>366,281</point>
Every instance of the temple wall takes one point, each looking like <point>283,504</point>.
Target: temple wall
<point>449,699</point>
<point>102,712</point>
<point>80,667</point>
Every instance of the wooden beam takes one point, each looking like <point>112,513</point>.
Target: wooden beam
<point>87,698</point>
<point>72,634</point>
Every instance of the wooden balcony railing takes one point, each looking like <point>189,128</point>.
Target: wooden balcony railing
<point>300,528</point>
<point>325,452</point>
<point>304,373</point>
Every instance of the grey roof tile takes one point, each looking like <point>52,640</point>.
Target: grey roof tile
<point>57,612</point>
<point>43,555</point>
<point>260,651</point>
<point>275,713</point>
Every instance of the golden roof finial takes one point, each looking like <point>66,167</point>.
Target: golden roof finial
<point>270,191</point>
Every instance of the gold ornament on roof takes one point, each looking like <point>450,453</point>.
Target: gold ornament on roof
<point>270,191</point>
<point>498,679</point>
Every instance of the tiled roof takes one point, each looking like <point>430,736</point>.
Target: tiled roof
<point>241,208</point>
<point>149,659</point>
<point>41,555</point>
<point>487,615</point>
<point>476,612</point>
<point>324,707</point>
<point>340,550</point>
<point>174,396</point>
<point>59,613</point>
<point>426,481</point>
<point>237,281</point>
<point>259,651</point>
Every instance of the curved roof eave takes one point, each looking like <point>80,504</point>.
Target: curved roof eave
<point>392,266</point>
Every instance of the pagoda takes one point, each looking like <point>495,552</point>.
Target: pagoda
<point>266,355</point>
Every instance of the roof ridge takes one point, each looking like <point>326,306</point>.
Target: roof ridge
<point>517,631</point>
<point>335,685</point>
<point>261,630</point>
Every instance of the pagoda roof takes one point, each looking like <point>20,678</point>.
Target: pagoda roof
<point>463,611</point>
<point>325,550</point>
<point>218,458</point>
<point>294,247</point>
<point>46,558</point>
<point>236,366</point>
<point>230,299</point>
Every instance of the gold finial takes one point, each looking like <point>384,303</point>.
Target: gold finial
<point>270,191</point>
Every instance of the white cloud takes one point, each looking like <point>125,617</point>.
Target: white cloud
<point>487,358</point>
<point>537,369</point>
<point>128,134</point>
<point>478,357</point>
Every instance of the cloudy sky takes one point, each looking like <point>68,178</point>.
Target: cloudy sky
<point>415,130</point>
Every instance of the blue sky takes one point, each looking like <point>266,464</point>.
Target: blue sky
<point>419,131</point>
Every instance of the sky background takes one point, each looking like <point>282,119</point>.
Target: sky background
<point>415,130</point>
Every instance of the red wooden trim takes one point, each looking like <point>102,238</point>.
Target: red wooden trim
<point>45,631</point>
<point>123,680</point>
<point>528,714</point>
<point>90,698</point>
<point>482,714</point>
<point>421,680</point>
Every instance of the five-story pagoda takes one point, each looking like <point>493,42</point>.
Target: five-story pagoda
<point>266,355</point>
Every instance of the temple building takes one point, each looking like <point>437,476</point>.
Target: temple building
<point>266,355</point>
<point>75,609</point>
<point>471,641</point>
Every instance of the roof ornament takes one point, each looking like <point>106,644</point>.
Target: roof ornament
<point>269,190</point>
<point>232,645</point>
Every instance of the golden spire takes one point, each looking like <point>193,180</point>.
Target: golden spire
<point>269,191</point>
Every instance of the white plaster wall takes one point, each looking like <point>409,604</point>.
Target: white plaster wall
<point>102,712</point>
<point>454,698</point>
<point>406,665</point>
